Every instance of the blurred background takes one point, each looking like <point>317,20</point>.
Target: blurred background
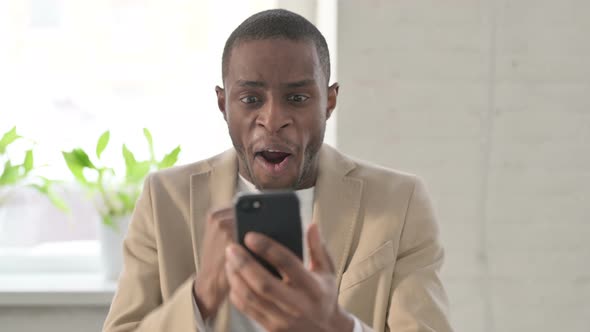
<point>488,101</point>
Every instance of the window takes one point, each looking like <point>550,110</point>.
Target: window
<point>72,69</point>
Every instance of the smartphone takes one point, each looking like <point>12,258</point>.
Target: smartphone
<point>274,214</point>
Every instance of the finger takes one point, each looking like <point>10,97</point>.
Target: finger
<point>318,253</point>
<point>227,225</point>
<point>249,302</point>
<point>219,234</point>
<point>262,282</point>
<point>285,261</point>
<point>221,214</point>
<point>245,301</point>
<point>222,218</point>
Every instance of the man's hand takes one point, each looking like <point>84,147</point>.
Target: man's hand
<point>211,286</point>
<point>305,300</point>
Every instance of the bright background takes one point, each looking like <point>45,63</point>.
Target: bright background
<point>73,69</point>
<point>488,101</point>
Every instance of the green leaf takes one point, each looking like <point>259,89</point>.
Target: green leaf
<point>138,172</point>
<point>58,202</point>
<point>135,170</point>
<point>103,141</point>
<point>128,157</point>
<point>42,189</point>
<point>10,175</point>
<point>148,137</point>
<point>83,159</point>
<point>28,163</point>
<point>76,165</point>
<point>8,137</point>
<point>170,159</point>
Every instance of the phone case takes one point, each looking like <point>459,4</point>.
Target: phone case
<point>275,214</point>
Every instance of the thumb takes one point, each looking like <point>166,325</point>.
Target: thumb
<point>318,253</point>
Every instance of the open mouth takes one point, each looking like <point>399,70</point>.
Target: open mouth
<point>273,161</point>
<point>273,157</point>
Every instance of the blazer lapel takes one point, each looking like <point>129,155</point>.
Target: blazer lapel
<point>211,189</point>
<point>199,206</point>
<point>337,205</point>
<point>222,186</point>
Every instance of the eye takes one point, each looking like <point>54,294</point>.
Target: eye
<point>250,100</point>
<point>297,98</point>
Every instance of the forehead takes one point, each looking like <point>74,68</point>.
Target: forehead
<point>273,61</point>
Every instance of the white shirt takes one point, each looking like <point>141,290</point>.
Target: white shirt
<point>239,321</point>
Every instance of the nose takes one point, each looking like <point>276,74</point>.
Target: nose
<point>273,117</point>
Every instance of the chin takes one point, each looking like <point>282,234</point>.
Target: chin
<point>279,183</point>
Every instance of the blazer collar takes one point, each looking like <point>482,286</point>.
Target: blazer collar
<point>211,188</point>
<point>337,206</point>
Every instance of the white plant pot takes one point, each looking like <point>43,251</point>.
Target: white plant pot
<point>19,218</point>
<point>111,247</point>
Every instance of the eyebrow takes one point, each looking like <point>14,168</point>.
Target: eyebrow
<point>250,84</point>
<point>260,84</point>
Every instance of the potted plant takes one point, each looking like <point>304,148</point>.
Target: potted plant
<point>15,175</point>
<point>115,195</point>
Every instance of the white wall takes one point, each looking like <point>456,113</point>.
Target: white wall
<point>489,101</point>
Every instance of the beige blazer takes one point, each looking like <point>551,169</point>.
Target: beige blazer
<point>378,225</point>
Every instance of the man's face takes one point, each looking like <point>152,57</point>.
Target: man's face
<point>276,102</point>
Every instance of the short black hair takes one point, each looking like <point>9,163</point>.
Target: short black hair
<point>279,24</point>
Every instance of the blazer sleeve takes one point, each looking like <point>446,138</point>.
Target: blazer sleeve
<point>138,304</point>
<point>418,301</point>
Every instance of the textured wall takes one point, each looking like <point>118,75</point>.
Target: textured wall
<point>489,101</point>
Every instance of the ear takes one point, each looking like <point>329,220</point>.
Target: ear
<point>332,97</point>
<point>221,100</point>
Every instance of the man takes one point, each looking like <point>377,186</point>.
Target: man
<point>373,267</point>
